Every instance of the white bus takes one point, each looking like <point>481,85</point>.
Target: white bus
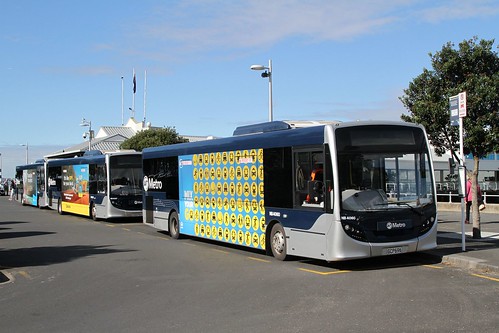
<point>97,185</point>
<point>332,192</point>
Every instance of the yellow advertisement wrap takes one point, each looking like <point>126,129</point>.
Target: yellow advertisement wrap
<point>222,196</point>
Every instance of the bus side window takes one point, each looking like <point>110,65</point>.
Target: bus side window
<point>278,187</point>
<point>101,179</point>
<point>309,177</point>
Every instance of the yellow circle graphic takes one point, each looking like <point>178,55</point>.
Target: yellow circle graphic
<point>253,155</point>
<point>232,172</point>
<point>240,220</point>
<point>260,173</point>
<point>255,223</point>
<point>255,240</point>
<point>247,238</point>
<point>247,221</point>
<point>239,172</point>
<point>240,237</point>
<point>262,241</point>
<point>253,172</point>
<point>247,205</point>
<point>262,223</point>
<point>246,172</point>
<point>196,229</point>
<point>260,155</point>
<point>254,206</point>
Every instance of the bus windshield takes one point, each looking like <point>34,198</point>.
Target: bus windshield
<point>126,175</point>
<point>385,175</point>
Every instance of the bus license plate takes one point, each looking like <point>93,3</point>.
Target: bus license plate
<point>394,250</point>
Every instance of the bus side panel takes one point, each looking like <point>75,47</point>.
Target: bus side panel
<point>221,196</point>
<point>75,189</point>
<point>30,189</point>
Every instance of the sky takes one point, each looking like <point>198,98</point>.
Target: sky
<point>61,61</point>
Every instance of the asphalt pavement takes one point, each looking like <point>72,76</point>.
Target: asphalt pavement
<point>479,254</point>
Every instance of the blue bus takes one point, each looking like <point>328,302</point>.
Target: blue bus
<point>333,191</point>
<point>31,185</point>
<point>97,185</point>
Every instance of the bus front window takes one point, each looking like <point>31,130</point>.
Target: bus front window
<point>377,181</point>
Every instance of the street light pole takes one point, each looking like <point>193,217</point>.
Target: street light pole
<point>267,73</point>
<point>26,145</point>
<point>88,123</point>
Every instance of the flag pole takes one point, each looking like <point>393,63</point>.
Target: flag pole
<point>122,105</point>
<point>133,96</point>
<point>145,91</point>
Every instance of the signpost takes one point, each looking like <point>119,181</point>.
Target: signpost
<point>457,108</point>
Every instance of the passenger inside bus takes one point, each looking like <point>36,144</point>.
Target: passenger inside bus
<point>316,185</point>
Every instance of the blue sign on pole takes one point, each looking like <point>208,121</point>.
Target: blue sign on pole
<point>454,110</point>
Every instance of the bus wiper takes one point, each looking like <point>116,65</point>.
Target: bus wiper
<point>402,203</point>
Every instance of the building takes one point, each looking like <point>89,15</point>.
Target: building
<point>109,138</point>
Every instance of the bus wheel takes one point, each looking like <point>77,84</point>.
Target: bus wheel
<point>93,212</point>
<point>59,207</point>
<point>278,242</point>
<point>173,225</point>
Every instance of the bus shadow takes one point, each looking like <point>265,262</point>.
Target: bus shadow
<point>376,263</point>
<point>47,255</point>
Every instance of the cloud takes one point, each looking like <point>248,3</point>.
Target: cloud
<point>197,25</point>
<point>175,30</point>
<point>458,9</point>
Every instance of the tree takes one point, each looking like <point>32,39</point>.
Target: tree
<point>474,68</point>
<point>153,138</point>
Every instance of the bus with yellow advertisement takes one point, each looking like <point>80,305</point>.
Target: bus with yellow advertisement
<point>98,185</point>
<point>331,191</point>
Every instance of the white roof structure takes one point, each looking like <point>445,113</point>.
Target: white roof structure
<point>109,138</point>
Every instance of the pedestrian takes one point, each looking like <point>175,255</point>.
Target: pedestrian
<point>469,197</point>
<point>12,185</point>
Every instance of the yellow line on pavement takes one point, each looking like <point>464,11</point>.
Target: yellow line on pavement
<point>486,277</point>
<point>258,259</point>
<point>323,273</point>
<point>433,266</point>
<point>221,251</point>
<point>25,275</point>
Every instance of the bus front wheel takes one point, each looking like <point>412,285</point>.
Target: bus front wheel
<point>278,242</point>
<point>93,212</point>
<point>173,225</point>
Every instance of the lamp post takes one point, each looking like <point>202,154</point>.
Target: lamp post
<point>25,145</point>
<point>88,123</point>
<point>267,73</point>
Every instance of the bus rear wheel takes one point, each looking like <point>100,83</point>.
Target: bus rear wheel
<point>278,242</point>
<point>59,207</point>
<point>173,225</point>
